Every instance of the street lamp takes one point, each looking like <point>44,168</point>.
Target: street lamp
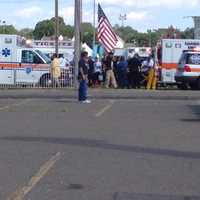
<point>60,38</point>
<point>3,24</point>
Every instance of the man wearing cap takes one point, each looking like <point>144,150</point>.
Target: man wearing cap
<point>83,78</point>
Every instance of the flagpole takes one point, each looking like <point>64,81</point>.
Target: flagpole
<point>56,27</point>
<point>77,44</point>
<point>94,25</point>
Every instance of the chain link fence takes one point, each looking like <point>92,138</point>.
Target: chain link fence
<point>35,78</point>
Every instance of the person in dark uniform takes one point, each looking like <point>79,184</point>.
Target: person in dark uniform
<point>83,78</point>
<point>90,72</point>
<point>134,66</point>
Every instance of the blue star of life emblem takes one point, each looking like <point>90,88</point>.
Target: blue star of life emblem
<point>6,52</point>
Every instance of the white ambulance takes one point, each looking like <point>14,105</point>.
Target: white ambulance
<point>20,65</point>
<point>169,52</point>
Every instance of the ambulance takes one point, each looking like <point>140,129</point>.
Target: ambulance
<point>169,52</point>
<point>20,65</point>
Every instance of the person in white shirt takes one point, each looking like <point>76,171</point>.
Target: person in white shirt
<point>63,61</point>
<point>148,64</point>
<point>98,77</point>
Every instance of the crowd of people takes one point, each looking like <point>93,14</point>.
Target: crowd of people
<point>115,72</point>
<point>109,72</point>
<point>119,72</point>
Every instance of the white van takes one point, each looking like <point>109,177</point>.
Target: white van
<point>188,71</point>
<point>21,65</point>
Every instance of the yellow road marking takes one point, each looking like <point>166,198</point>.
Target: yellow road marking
<point>44,169</point>
<point>104,109</point>
<point>14,105</point>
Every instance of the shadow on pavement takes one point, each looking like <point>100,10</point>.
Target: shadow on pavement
<point>196,111</point>
<point>190,120</point>
<point>135,196</point>
<point>100,144</point>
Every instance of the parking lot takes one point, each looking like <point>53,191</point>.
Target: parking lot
<point>112,149</point>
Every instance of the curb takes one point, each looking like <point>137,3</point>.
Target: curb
<point>101,97</point>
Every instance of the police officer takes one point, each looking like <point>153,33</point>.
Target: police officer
<point>134,66</point>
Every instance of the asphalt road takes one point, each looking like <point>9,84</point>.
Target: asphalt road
<point>58,149</point>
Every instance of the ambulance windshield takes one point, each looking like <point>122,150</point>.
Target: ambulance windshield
<point>46,58</point>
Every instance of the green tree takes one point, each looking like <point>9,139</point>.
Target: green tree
<point>47,28</point>
<point>67,31</point>
<point>127,33</point>
<point>44,28</point>
<point>87,33</point>
<point>8,29</point>
<point>188,33</point>
<point>26,32</point>
<point>142,39</point>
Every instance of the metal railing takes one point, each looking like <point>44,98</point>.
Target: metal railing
<point>18,78</point>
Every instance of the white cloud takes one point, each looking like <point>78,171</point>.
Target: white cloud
<point>29,12</point>
<point>137,15</point>
<point>68,15</point>
<point>153,3</point>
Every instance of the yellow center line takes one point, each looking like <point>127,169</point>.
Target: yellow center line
<point>44,169</point>
<point>104,109</point>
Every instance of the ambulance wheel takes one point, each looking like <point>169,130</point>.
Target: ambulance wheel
<point>46,81</point>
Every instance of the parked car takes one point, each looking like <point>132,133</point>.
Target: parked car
<point>188,71</point>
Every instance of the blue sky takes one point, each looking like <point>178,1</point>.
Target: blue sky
<point>141,14</point>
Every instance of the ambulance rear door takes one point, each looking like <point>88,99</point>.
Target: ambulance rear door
<point>171,52</point>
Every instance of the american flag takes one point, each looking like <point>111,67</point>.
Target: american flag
<point>106,35</point>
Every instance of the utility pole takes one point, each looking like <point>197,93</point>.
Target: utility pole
<point>56,27</point>
<point>196,20</point>
<point>94,24</point>
<point>77,44</point>
<point>123,18</point>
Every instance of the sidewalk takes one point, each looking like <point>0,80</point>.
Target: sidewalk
<point>99,94</point>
